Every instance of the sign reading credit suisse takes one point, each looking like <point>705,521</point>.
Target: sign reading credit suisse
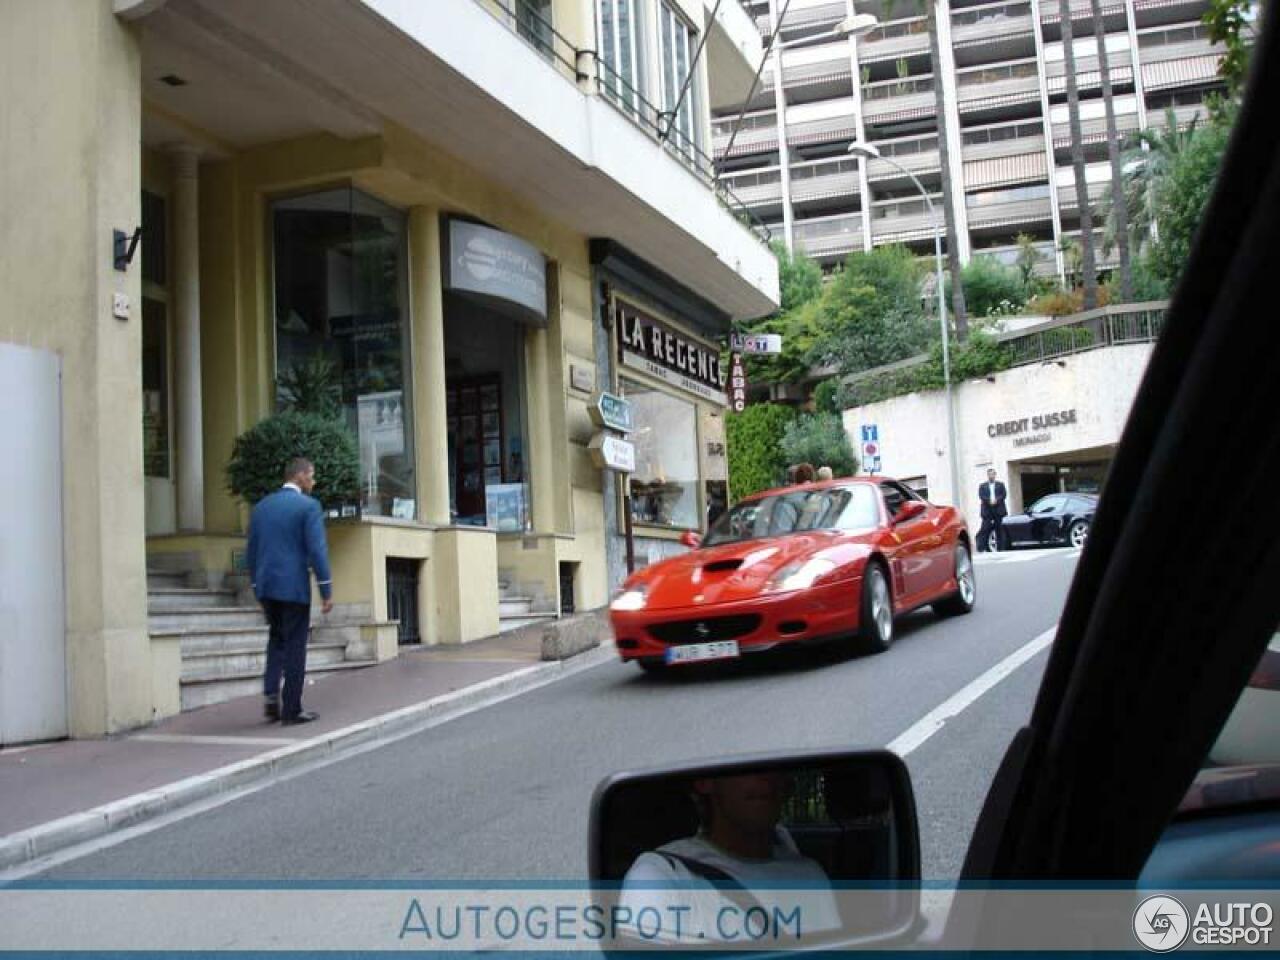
<point>648,344</point>
<point>499,267</point>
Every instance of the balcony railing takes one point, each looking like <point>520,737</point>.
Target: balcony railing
<point>991,23</point>
<point>924,161</point>
<point>1088,75</point>
<point>889,98</point>
<point>760,188</point>
<point>834,235</point>
<point>1094,130</point>
<point>821,179</point>
<point>902,38</point>
<point>1051,13</point>
<point>1010,255</point>
<point>1067,199</point>
<point>1019,209</point>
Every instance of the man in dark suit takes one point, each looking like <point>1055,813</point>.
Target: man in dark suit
<point>992,495</point>
<point>286,542</point>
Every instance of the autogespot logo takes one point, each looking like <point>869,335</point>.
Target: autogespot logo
<point>1161,924</point>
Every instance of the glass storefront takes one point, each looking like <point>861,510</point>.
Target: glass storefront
<point>485,391</point>
<point>342,331</point>
<point>664,487</point>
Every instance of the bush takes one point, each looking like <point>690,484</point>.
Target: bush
<point>819,439</point>
<point>261,453</point>
<point>826,396</point>
<point>756,460</point>
<point>991,287</point>
<point>978,356</point>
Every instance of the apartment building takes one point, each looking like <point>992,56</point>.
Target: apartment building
<point>1009,140</point>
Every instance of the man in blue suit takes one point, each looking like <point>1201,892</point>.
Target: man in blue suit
<point>286,542</point>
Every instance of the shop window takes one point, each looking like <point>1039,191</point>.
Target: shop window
<point>342,331</point>
<point>664,488</point>
<point>620,30</point>
<point>485,402</point>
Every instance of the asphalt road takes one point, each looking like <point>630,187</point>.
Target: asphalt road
<point>504,793</point>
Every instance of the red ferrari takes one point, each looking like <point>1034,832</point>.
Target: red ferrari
<point>796,565</point>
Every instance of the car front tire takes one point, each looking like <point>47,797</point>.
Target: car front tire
<point>875,621</point>
<point>1078,534</point>
<point>966,595</point>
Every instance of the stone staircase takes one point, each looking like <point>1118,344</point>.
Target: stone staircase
<point>516,611</point>
<point>224,642</point>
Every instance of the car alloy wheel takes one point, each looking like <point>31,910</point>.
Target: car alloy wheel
<point>876,628</point>
<point>1078,533</point>
<point>993,542</point>
<point>965,584</point>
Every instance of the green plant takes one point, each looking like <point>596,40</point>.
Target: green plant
<point>260,454</point>
<point>976,357</point>
<point>819,439</point>
<point>1181,197</point>
<point>988,284</point>
<point>826,396</point>
<point>1029,257</point>
<point>756,460</point>
<point>311,386</point>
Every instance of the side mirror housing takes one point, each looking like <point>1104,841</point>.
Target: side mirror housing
<point>837,830</point>
<point>691,539</point>
<point>910,510</point>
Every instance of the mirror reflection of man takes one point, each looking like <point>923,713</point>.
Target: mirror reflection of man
<point>740,858</point>
<point>992,495</point>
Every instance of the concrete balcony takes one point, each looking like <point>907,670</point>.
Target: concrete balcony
<point>1158,13</point>
<point>827,130</point>
<point>1088,75</point>
<point>733,52</point>
<point>1006,171</point>
<point>759,189</point>
<point>1094,130</point>
<point>1068,202</point>
<point>904,221</point>
<point>1008,254</point>
<point>1183,72</point>
<point>824,180</point>
<point>991,23</point>
<point>892,100</point>
<point>900,38</point>
<point>990,90</point>
<point>1157,53</point>
<point>988,213</point>
<point>756,135</point>
<point>919,162</point>
<point>829,237</point>
<point>1020,146</point>
<point>1051,12</point>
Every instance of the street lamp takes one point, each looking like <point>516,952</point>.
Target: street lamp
<point>867,151</point>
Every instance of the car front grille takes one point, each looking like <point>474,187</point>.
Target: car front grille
<point>705,630</point>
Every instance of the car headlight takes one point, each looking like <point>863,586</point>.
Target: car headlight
<point>799,576</point>
<point>628,600</point>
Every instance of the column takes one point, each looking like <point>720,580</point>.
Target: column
<point>189,414</point>
<point>780,113</point>
<point>538,391</point>
<point>430,426</point>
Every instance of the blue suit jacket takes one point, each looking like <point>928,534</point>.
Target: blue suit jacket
<point>286,536</point>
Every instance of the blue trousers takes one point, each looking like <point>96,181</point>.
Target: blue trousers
<point>286,653</point>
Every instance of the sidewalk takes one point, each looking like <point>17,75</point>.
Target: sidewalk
<point>61,793</point>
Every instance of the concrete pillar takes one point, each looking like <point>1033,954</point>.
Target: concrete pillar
<point>430,425</point>
<point>541,446</point>
<point>188,405</point>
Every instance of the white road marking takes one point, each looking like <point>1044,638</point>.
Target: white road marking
<point>1023,556</point>
<point>933,721</point>
<point>213,740</point>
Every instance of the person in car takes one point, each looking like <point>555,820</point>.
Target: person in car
<point>741,857</point>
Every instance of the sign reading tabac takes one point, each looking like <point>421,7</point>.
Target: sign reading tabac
<point>648,344</point>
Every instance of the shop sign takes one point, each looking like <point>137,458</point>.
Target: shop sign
<point>649,345</point>
<point>737,383</point>
<point>613,412</point>
<point>498,268</point>
<point>1029,431</point>
<point>613,453</point>
<point>756,343</point>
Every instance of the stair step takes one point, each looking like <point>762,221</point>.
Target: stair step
<point>165,579</point>
<point>515,623</point>
<point>204,691</point>
<point>252,661</point>
<point>515,606</point>
<point>166,599</point>
<point>204,618</point>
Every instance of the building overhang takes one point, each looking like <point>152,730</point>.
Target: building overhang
<point>734,53</point>
<point>462,81</point>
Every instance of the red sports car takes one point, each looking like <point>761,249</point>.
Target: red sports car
<point>794,565</point>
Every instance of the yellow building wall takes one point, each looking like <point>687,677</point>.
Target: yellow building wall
<point>71,174</point>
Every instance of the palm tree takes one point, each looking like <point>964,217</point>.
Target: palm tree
<point>959,311</point>
<point>1088,263</point>
<point>1121,228</point>
<point>1143,165</point>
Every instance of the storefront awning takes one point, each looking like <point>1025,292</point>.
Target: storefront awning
<point>1005,171</point>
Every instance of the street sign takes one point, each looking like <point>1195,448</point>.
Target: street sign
<point>612,412</point>
<point>613,453</point>
<point>737,383</point>
<point>756,343</point>
<point>870,448</point>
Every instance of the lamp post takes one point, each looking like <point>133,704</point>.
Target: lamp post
<point>868,151</point>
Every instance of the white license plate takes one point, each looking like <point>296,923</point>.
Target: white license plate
<point>696,652</point>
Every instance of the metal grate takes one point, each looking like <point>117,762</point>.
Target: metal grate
<point>402,597</point>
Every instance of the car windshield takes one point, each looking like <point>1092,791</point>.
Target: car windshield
<point>796,511</point>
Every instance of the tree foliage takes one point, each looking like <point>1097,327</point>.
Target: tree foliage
<point>978,356</point>
<point>819,439</point>
<point>1181,196</point>
<point>800,283</point>
<point>260,454</point>
<point>754,439</point>
<point>990,286</point>
<point>1230,23</point>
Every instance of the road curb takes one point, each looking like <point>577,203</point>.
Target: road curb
<point>42,840</point>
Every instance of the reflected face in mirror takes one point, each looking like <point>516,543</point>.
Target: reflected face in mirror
<point>742,812</point>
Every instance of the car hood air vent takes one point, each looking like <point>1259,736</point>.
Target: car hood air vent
<point>722,566</point>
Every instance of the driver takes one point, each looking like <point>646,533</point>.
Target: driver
<point>740,858</point>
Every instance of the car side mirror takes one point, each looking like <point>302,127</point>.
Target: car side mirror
<point>910,510</point>
<point>691,539</point>
<point>823,848</point>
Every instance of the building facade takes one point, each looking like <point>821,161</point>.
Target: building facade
<point>444,217</point>
<point>1048,424</point>
<point>1009,141</point>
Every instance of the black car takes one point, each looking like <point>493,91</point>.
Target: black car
<point>1054,520</point>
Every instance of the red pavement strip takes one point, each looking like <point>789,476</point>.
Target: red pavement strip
<point>60,794</point>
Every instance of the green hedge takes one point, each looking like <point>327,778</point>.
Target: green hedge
<point>754,438</point>
<point>978,356</point>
